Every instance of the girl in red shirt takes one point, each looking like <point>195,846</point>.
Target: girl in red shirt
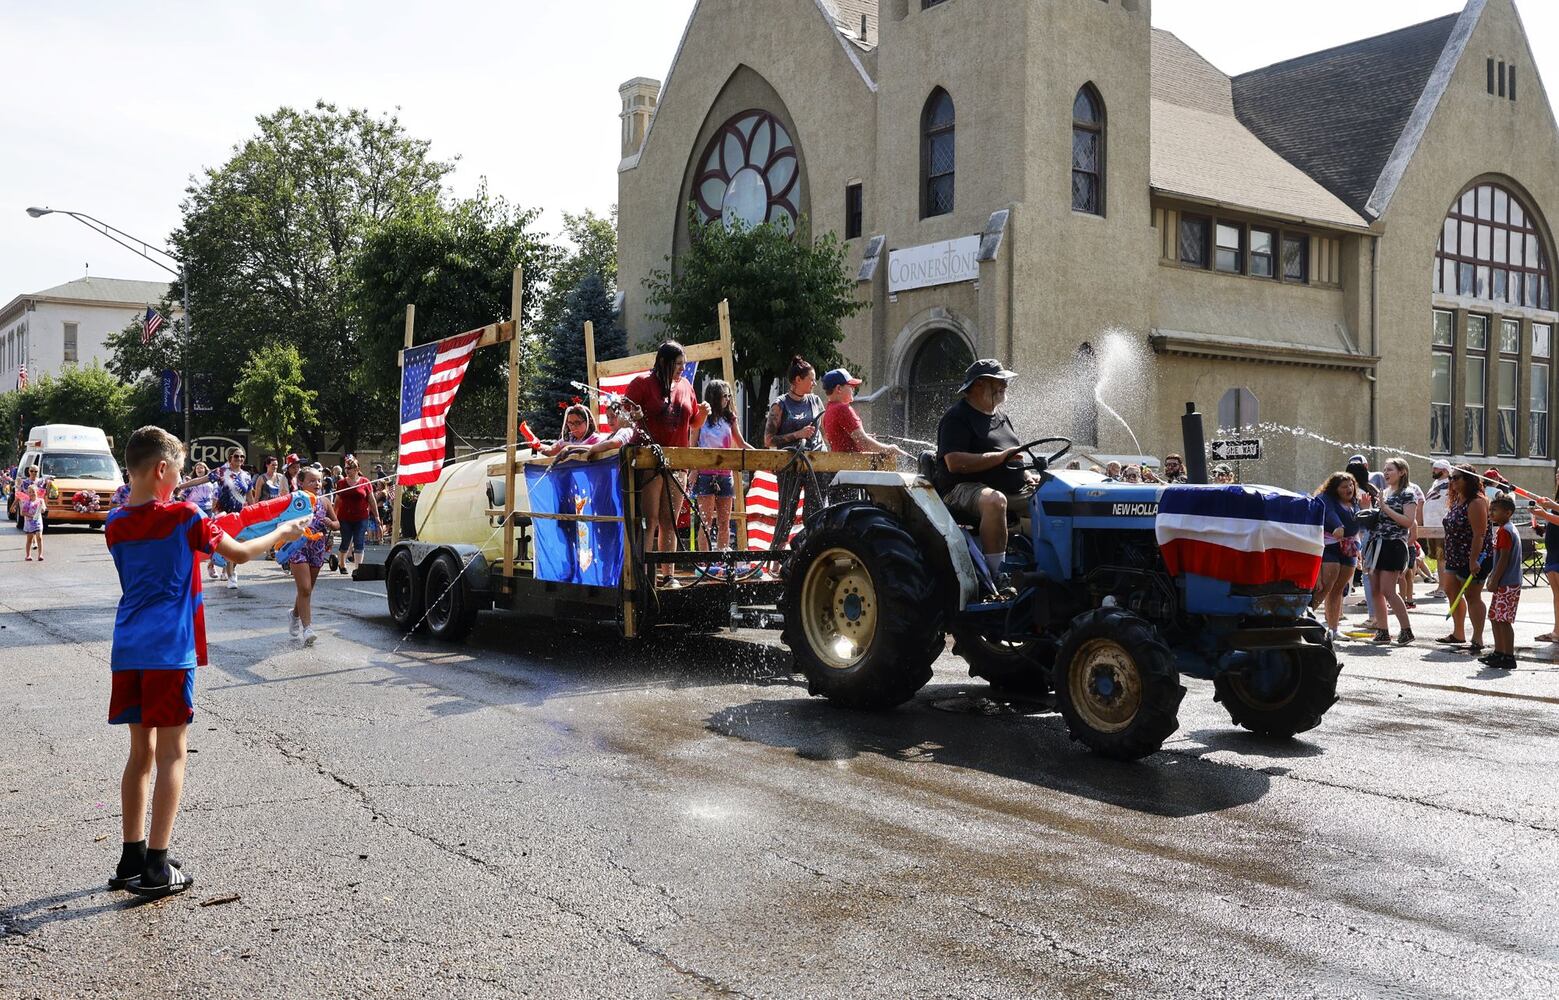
<point>671,412</point>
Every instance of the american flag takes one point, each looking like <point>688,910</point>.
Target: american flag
<point>430,377</point>
<point>150,324</point>
<point>763,510</point>
<point>21,376</point>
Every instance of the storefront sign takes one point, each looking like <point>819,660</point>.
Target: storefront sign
<point>933,264</point>
<point>213,448</point>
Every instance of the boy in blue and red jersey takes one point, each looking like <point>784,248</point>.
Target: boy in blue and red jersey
<point>159,639</point>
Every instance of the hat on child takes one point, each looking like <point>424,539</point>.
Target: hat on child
<point>838,377</point>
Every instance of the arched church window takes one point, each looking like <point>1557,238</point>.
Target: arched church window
<point>1491,249</point>
<point>936,155</point>
<point>1088,151</point>
<point>750,173</point>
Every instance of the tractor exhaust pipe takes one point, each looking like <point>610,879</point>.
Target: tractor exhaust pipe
<point>1195,446</point>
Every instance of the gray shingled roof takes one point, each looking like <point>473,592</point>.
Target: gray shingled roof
<point>1337,114</point>
<point>106,290</point>
<point>1201,151</point>
<point>847,15</point>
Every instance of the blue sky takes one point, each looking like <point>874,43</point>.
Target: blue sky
<point>525,93</point>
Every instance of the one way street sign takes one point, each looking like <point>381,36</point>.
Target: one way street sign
<point>1237,451</point>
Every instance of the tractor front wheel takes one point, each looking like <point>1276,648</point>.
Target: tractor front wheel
<point>861,615</point>
<point>1116,685</point>
<point>1283,692</point>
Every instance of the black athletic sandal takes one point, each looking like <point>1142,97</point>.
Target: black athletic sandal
<point>1451,640</point>
<point>178,881</point>
<point>123,881</point>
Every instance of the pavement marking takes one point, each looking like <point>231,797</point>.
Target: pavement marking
<point>359,590</point>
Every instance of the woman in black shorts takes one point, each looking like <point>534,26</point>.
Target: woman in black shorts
<point>1390,553</point>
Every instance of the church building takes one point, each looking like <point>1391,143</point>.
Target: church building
<point>1355,242</point>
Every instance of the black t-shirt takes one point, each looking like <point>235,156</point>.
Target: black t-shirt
<point>965,429</point>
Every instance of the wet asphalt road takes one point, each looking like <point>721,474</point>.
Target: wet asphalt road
<point>539,813</point>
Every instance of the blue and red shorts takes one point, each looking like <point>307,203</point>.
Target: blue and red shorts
<point>152,698</point>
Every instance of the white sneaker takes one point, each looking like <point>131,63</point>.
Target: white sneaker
<point>309,637</point>
<point>232,583</point>
<point>294,624</point>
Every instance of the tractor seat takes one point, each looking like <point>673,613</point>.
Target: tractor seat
<point>926,466</point>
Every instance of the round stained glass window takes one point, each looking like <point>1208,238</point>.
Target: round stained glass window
<point>749,173</point>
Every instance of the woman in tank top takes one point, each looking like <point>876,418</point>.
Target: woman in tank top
<point>794,424</point>
<point>1469,546</point>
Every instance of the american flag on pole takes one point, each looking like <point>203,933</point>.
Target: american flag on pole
<point>763,510</point>
<point>430,377</point>
<point>150,324</point>
<point>21,376</point>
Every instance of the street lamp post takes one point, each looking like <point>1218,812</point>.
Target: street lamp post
<point>145,250</point>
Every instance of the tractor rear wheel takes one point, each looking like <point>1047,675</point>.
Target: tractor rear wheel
<point>1016,667</point>
<point>403,589</point>
<point>1284,693</point>
<point>1116,685</point>
<point>861,615</point>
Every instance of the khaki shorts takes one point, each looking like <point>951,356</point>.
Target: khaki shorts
<point>964,501</point>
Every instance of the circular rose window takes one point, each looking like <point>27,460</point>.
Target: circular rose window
<point>749,173</point>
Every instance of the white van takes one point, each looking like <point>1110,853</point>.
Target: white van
<point>72,459</point>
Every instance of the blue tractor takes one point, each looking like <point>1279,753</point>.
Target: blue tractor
<point>879,580</point>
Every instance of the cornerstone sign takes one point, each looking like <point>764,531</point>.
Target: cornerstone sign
<point>933,264</point>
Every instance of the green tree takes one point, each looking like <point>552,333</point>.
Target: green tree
<point>788,292</point>
<point>270,239</point>
<point>272,399</point>
<point>593,250</point>
<point>91,396</point>
<point>564,361</point>
<point>455,263</point>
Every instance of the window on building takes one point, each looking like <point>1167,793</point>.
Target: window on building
<point>1263,247</point>
<point>1193,240</point>
<point>1491,249</point>
<point>1088,152</point>
<point>1502,78</point>
<point>853,211</point>
<point>936,155</point>
<point>1231,248</point>
<point>1475,387</point>
<point>1296,257</point>
<point>1512,87</point>
<point>70,342</point>
<point>1440,382</point>
<point>928,4</point>
<point>1508,378</point>
<point>1537,413</point>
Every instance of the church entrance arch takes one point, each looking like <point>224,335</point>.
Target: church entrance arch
<point>936,371</point>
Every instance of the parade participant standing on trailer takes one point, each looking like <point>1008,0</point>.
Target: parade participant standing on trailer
<point>1469,543</point>
<point>671,413</point>
<point>355,510</point>
<point>624,415</point>
<point>715,489</point>
<point>233,486</point>
<point>1390,551</point>
<point>159,640</point>
<point>1505,582</point>
<point>793,423</point>
<point>974,442</point>
<point>305,562</point>
<point>30,504</point>
<point>842,427</point>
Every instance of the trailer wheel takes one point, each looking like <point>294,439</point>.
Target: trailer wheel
<point>1016,667</point>
<point>451,607</point>
<point>403,589</point>
<point>1116,685</point>
<point>1284,693</point>
<point>861,615</point>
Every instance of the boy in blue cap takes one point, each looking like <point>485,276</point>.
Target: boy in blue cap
<point>842,427</point>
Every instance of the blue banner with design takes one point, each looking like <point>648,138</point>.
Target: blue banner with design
<point>588,552</point>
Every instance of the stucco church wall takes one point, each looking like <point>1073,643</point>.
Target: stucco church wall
<point>828,102</point>
<point>1472,135</point>
<point>1195,301</point>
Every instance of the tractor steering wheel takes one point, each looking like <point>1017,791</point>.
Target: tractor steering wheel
<point>1041,464</point>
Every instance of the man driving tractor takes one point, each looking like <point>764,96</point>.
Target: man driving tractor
<point>974,442</point>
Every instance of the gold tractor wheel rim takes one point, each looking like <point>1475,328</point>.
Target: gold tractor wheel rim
<point>1105,686</point>
<point>839,608</point>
